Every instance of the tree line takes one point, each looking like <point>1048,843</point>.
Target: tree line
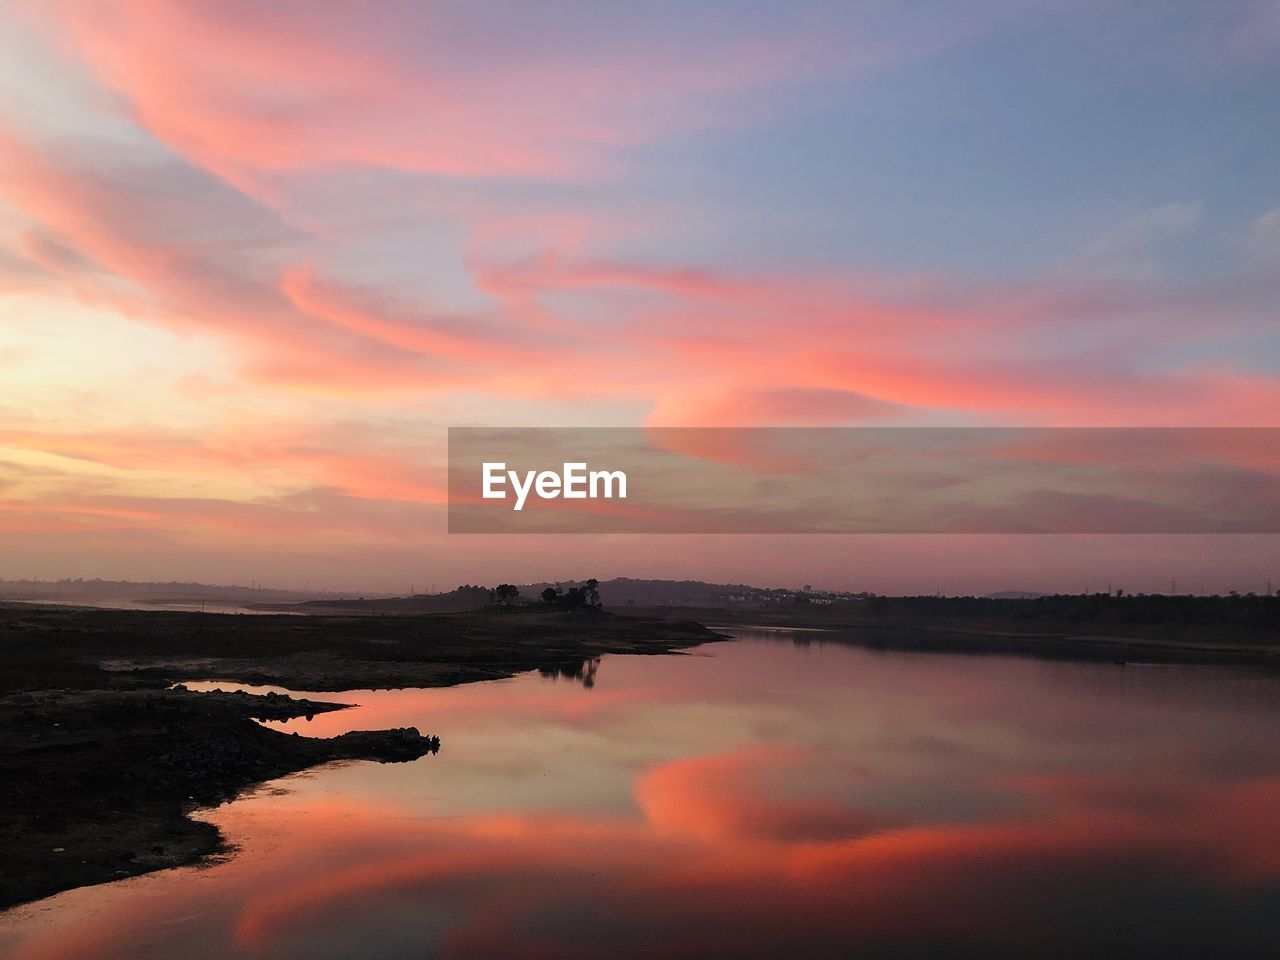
<point>584,597</point>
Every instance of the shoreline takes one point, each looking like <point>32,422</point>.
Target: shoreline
<point>104,759</point>
<point>100,783</point>
<point>109,758</point>
<point>960,639</point>
<point>1048,640</point>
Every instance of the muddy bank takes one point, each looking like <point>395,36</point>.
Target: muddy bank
<point>78,648</point>
<point>101,762</point>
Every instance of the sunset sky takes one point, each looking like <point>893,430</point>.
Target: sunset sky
<point>256,258</point>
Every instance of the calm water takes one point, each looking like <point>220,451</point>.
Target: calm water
<point>772,797</point>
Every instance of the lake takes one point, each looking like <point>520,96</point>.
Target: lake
<point>778,796</point>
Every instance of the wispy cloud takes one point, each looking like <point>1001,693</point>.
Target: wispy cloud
<point>285,244</point>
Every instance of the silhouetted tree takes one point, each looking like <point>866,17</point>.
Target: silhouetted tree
<point>575,598</point>
<point>504,593</point>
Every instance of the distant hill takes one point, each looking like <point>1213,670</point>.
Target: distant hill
<point>68,590</point>
<point>618,592</point>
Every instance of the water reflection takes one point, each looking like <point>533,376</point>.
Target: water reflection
<point>759,800</point>
<point>582,671</point>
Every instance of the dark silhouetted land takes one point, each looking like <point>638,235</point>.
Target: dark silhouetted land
<point>1242,630</point>
<point>101,761</point>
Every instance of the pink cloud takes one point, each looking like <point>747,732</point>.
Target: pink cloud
<point>244,90</point>
<point>691,342</point>
<point>272,99</point>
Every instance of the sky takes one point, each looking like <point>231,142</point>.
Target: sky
<point>255,259</point>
